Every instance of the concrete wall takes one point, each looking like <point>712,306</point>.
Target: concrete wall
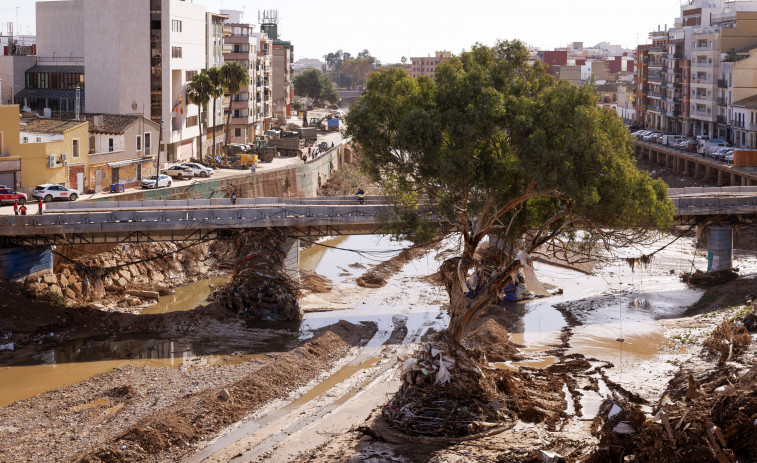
<point>60,29</point>
<point>12,73</point>
<point>117,56</point>
<point>301,180</point>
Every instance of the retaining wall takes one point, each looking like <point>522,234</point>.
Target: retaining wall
<point>300,180</point>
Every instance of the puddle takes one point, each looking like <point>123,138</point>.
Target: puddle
<point>334,264</point>
<point>187,297</point>
<point>80,360</point>
<point>344,373</point>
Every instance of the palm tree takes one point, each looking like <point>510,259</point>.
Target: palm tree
<point>233,75</point>
<point>214,74</point>
<point>199,90</point>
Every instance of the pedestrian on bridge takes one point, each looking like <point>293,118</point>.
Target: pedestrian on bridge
<point>39,207</point>
<point>15,207</point>
<point>233,198</point>
<point>22,209</point>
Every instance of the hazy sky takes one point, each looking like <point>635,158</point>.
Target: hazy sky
<point>391,29</point>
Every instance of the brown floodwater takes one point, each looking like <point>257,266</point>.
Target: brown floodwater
<point>187,297</point>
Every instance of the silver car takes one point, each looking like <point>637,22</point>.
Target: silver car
<point>51,191</point>
<point>179,172</point>
<point>198,170</point>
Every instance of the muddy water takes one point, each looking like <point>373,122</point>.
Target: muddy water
<point>80,360</point>
<point>187,297</point>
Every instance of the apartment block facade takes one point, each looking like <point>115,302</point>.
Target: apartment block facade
<point>137,55</point>
<point>421,66</point>
<point>685,78</point>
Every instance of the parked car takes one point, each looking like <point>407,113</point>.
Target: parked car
<point>651,137</point>
<point>51,191</point>
<point>179,172</point>
<point>719,153</point>
<point>709,146</point>
<point>642,133</point>
<point>9,195</point>
<point>690,146</point>
<point>728,157</point>
<point>198,170</point>
<point>163,181</point>
<point>672,140</point>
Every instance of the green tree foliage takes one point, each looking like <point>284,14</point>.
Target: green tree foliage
<point>199,91</point>
<point>348,71</point>
<point>496,146</point>
<point>233,76</point>
<point>313,84</point>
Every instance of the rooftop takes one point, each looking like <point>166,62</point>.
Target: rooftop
<point>50,126</point>
<point>749,103</point>
<point>112,123</point>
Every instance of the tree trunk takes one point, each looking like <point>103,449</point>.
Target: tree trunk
<point>228,119</point>
<point>214,127</point>
<point>199,139</point>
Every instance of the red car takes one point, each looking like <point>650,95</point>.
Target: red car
<point>10,196</point>
<point>690,146</point>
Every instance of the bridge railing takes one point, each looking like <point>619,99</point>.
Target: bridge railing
<point>712,190</point>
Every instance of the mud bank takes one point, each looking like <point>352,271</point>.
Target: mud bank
<point>158,414</point>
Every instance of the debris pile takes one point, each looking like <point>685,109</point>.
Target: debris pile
<point>704,279</point>
<point>714,423</point>
<point>442,396</point>
<point>259,288</point>
<point>729,340</point>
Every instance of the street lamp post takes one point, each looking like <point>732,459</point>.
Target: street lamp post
<point>157,162</point>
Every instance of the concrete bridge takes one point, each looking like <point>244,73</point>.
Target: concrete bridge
<point>83,223</point>
<point>695,165</point>
<point>191,220</point>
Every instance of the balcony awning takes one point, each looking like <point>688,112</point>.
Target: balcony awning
<point>129,162</point>
<point>49,93</point>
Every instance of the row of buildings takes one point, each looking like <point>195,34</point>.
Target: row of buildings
<point>699,77</point>
<point>110,59</point>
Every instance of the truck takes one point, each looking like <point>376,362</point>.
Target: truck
<point>263,151</point>
<point>333,124</point>
<point>287,144</point>
<point>307,133</point>
<point>706,147</point>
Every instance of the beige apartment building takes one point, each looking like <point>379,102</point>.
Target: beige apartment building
<point>427,66</point>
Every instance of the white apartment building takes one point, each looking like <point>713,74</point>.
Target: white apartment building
<point>138,56</point>
<point>241,47</point>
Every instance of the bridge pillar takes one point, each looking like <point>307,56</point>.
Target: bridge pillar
<point>721,177</point>
<point>697,169</point>
<point>733,179</point>
<point>719,248</point>
<point>18,264</point>
<point>667,161</point>
<point>291,248</point>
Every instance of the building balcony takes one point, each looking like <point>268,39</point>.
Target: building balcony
<point>656,95</point>
<point>673,113</point>
<point>654,109</point>
<point>656,64</point>
<point>737,124</point>
<point>238,39</point>
<point>721,119</point>
<point>238,56</point>
<point>722,83</point>
<point>722,101</point>
<point>657,50</point>
<point>702,115</point>
<point>654,79</point>
<point>752,126</point>
<point>240,104</point>
<point>242,120</point>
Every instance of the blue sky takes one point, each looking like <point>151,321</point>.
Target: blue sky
<point>391,29</point>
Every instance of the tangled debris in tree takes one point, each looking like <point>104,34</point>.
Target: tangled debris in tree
<point>259,288</point>
<point>449,397</point>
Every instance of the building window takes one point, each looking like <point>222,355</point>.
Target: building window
<point>175,52</point>
<point>237,132</point>
<point>191,121</point>
<point>75,148</point>
<point>190,75</point>
<point>176,25</point>
<point>110,145</point>
<point>139,142</point>
<point>148,143</point>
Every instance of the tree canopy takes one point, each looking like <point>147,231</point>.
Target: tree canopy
<point>349,71</point>
<point>496,146</point>
<point>313,84</point>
